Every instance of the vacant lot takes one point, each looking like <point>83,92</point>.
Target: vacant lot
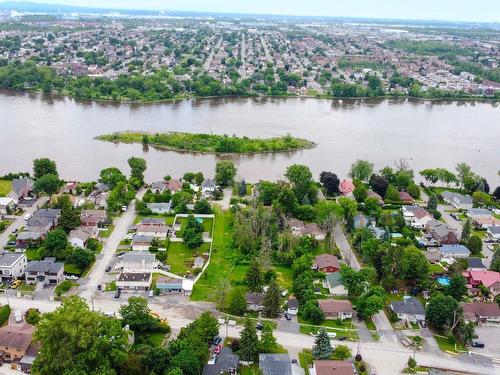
<point>180,257</point>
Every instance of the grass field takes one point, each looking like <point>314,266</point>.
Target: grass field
<point>5,187</point>
<point>72,269</point>
<point>33,254</point>
<point>445,344</point>
<point>207,225</point>
<point>179,254</point>
<point>223,258</point>
<point>106,233</point>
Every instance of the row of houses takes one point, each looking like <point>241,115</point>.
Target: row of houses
<point>15,265</point>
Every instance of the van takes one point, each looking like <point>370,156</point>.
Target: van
<point>19,316</point>
<point>27,217</point>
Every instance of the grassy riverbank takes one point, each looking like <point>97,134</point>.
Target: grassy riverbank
<point>210,143</point>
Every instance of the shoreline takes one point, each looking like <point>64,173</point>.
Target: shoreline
<point>256,96</point>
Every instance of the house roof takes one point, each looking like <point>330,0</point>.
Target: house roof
<point>346,187</point>
<point>275,364</point>
<point>138,257</point>
<point>494,229</point>
<point>168,282</point>
<point>225,361</point>
<point>432,255</point>
<point>46,266</point>
<point>459,198</point>
<point>293,303</point>
<point>153,228</point>
<point>487,278</point>
<point>475,263</point>
<point>139,276</point>
<point>454,250</point>
<point>7,258</point>
<point>174,185</point>
<point>160,206</point>
<point>333,306</point>
<point>404,196</point>
<point>18,184</point>
<point>79,234</point>
<point>254,298</point>
<point>416,211</point>
<point>208,183</point>
<point>408,306</point>
<point>326,260</point>
<point>334,368</point>
<point>16,336</point>
<point>50,213</point>
<point>5,201</point>
<point>480,212</point>
<point>142,239</point>
<point>476,310</point>
<point>152,221</point>
<point>29,236</point>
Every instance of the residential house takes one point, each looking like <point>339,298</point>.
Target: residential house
<point>475,264</point>
<point>78,238</point>
<point>152,221</point>
<point>486,222</point>
<point>93,218</point>
<point>254,301</point>
<point>46,272</point>
<point>27,239</point>
<point>454,251</point>
<point>326,263</point>
<point>479,312</point>
<point>292,305</point>
<point>51,214</point>
<point>494,232</point>
<point>7,205</point>
<point>336,309</point>
<point>160,231</point>
<point>169,285</point>
<point>433,256</point>
<point>12,265</point>
<point>362,221</point>
<point>475,213</point>
<point>15,340</point>
<point>416,216</point>
<point>158,187</point>
<point>141,243</point>
<point>405,197</point>
<point>174,185</point>
<point>489,279</point>
<point>346,187</point>
<point>39,225</point>
<point>138,261</point>
<point>372,194</point>
<point>315,231</point>
<point>226,363</point>
<point>275,364</point>
<point>21,189</point>
<point>160,208</point>
<point>208,186</point>
<point>29,357</point>
<point>198,262</point>
<point>329,367</point>
<point>410,309</point>
<point>334,284</point>
<point>459,201</point>
<point>134,280</point>
<point>441,233</point>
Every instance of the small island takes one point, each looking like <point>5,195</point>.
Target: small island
<point>210,143</point>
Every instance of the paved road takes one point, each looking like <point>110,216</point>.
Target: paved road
<point>214,50</point>
<point>20,222</point>
<point>122,224</point>
<point>380,319</point>
<point>225,202</point>
<point>387,357</point>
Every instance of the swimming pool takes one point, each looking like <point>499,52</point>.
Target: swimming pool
<point>443,280</point>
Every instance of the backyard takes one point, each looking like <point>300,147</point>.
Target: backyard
<point>180,257</point>
<point>5,187</point>
<point>207,225</point>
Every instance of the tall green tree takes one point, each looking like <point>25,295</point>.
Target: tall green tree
<point>48,183</point>
<point>475,244</point>
<point>248,342</point>
<point>75,340</point>
<point>137,169</point>
<point>267,340</point>
<point>272,300</point>
<point>237,302</point>
<point>322,348</point>
<point>225,171</point>
<point>44,166</point>
<point>457,287</point>
<point>138,316</point>
<point>361,170</point>
<point>254,277</point>
<point>112,177</point>
<point>312,312</point>
<point>442,312</point>
<point>300,177</point>
<point>466,230</point>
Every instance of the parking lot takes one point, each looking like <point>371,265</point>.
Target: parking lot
<point>489,336</point>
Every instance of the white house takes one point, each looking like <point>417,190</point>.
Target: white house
<point>160,208</point>
<point>138,261</point>
<point>409,309</point>
<point>134,280</point>
<point>12,265</point>
<point>78,238</point>
<point>157,231</point>
<point>208,186</point>
<point>459,201</point>
<point>416,216</point>
<point>6,205</point>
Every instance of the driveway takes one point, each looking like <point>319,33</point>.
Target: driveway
<point>122,224</point>
<point>489,336</point>
<point>19,222</point>
<point>225,202</point>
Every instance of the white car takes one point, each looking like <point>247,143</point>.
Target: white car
<point>19,316</point>
<point>71,277</point>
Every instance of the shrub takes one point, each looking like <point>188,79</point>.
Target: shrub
<point>4,314</point>
<point>32,316</point>
<point>358,358</point>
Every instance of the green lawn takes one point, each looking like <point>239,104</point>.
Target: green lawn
<point>33,254</point>
<point>223,258</point>
<point>64,287</point>
<point>370,325</point>
<point>306,360</point>
<point>179,255</point>
<point>26,288</point>
<point>5,187</point>
<point>207,225</point>
<point>445,344</point>
<point>72,269</point>
<point>250,370</point>
<point>111,287</point>
<point>436,269</point>
<point>155,338</point>
<point>285,276</point>
<point>106,233</point>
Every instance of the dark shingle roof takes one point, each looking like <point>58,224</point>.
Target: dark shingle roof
<point>275,364</point>
<point>225,361</point>
<point>408,306</point>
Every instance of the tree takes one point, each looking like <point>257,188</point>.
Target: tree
<point>361,170</point>
<point>83,257</point>
<point>237,302</point>
<point>356,282</point>
<point>267,340</point>
<point>138,315</point>
<point>157,359</point>
<point>69,219</point>
<point>322,348</point>
<point>55,243</point>
<point>481,199</point>
<point>466,230</point>
<point>254,276</point>
<point>268,192</point>
<point>441,311</point>
<point>330,182</point>
<point>432,203</point>
<point>75,340</point>
<point>412,363</point>
<point>44,166</point>
<point>225,171</point>
<point>360,193</point>
<point>475,244</point>
<point>371,302</point>
<point>300,177</point>
<point>221,292</point>
<point>111,177</point>
<point>48,183</point>
<point>248,342</point>
<point>414,265</point>
<point>392,194</point>
<point>463,172</point>
<point>272,300</point>
<point>379,184</point>
<point>137,169</point>
<point>193,233</point>
<point>286,199</point>
<point>312,312</point>
<point>414,191</point>
<point>457,287</point>
<point>342,353</point>
<point>202,206</point>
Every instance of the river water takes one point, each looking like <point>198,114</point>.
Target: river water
<point>428,135</point>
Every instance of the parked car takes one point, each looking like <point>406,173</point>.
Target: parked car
<point>118,293</point>
<point>259,326</point>
<point>342,338</point>
<point>216,340</point>
<point>287,316</point>
<point>217,349</point>
<point>19,316</point>
<point>477,344</point>
<point>108,268</point>
<point>423,324</point>
<point>27,217</point>
<point>99,287</point>
<point>71,277</point>
<point>151,293</point>
<point>16,284</point>
<point>294,361</point>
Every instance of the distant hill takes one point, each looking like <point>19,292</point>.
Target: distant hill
<point>24,6</point>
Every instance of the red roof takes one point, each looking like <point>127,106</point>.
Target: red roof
<point>346,187</point>
<point>487,278</point>
<point>327,260</point>
<point>405,197</point>
<point>334,306</point>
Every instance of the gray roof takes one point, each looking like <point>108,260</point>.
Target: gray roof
<point>19,184</point>
<point>480,212</point>
<point>494,229</point>
<point>160,206</point>
<point>225,361</point>
<point>29,236</point>
<point>208,183</point>
<point>152,220</point>
<point>7,259</point>
<point>460,198</point>
<point>408,306</point>
<point>39,222</point>
<point>138,256</point>
<point>47,265</point>
<point>50,213</point>
<point>454,249</point>
<point>254,298</point>
<point>475,263</point>
<point>275,364</point>
<point>139,238</point>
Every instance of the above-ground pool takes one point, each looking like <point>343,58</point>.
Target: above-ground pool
<point>443,280</point>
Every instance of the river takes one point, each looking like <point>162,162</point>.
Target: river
<point>427,134</point>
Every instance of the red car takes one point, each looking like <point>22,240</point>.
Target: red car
<point>217,349</point>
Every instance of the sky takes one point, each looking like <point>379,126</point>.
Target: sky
<point>450,10</point>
